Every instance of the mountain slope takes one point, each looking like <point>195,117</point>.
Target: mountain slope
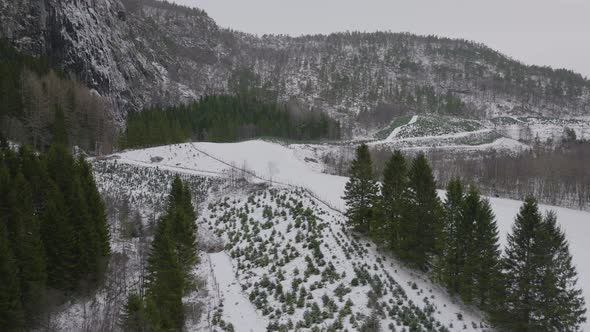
<point>269,160</point>
<point>145,52</point>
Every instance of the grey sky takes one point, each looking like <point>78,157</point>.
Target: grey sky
<point>542,32</point>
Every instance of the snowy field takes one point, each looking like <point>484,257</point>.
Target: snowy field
<point>284,166</point>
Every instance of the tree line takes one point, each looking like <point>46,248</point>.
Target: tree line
<point>531,286</point>
<point>173,254</point>
<point>54,238</point>
<point>33,90</point>
<point>531,172</point>
<point>224,118</point>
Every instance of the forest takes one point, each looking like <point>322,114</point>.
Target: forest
<point>224,118</point>
<point>54,238</point>
<point>531,286</point>
<point>33,91</point>
<point>555,173</point>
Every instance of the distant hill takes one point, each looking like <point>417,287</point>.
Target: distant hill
<point>141,53</point>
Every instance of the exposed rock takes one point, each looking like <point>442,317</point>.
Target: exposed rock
<point>140,53</point>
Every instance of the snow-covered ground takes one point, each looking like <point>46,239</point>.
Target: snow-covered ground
<point>393,135</point>
<point>503,133</point>
<point>236,307</point>
<point>288,169</point>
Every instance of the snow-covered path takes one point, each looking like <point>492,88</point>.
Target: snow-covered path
<point>238,309</point>
<point>395,131</point>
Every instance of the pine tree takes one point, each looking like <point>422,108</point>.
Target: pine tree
<point>11,311</point>
<point>451,259</point>
<point>540,279</point>
<point>422,224</point>
<point>58,239</point>
<point>135,317</point>
<point>361,191</point>
<point>393,195</point>
<point>468,256</point>
<point>28,248</point>
<point>563,303</point>
<point>487,277</point>
<point>182,217</point>
<point>165,284</point>
<point>85,241</point>
<point>96,210</point>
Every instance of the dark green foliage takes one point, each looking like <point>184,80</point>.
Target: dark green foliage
<point>11,311</point>
<point>172,256</point>
<point>540,279</point>
<point>96,208</point>
<point>165,284</point>
<point>361,192</point>
<point>134,317</point>
<point>532,289</point>
<point>28,247</point>
<point>59,240</point>
<point>564,302</point>
<point>53,218</point>
<point>469,260</point>
<point>225,119</point>
<point>181,216</point>
<point>452,259</point>
<point>84,213</point>
<point>422,222</point>
<point>487,276</point>
<point>480,278</point>
<point>393,198</point>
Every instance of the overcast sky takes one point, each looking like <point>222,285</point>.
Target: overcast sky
<point>542,32</point>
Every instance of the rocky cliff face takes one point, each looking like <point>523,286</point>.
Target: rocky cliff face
<point>145,52</point>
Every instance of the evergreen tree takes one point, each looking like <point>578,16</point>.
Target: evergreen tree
<point>451,259</point>
<point>85,241</point>
<point>563,303</point>
<point>468,256</point>
<point>361,191</point>
<point>393,195</point>
<point>96,210</point>
<point>134,317</point>
<point>28,248</point>
<point>165,284</point>
<point>11,311</point>
<point>182,217</point>
<point>59,241</point>
<point>487,277</point>
<point>50,210</point>
<point>422,224</point>
<point>172,256</point>
<point>540,279</point>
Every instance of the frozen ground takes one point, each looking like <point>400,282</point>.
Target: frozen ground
<point>284,166</point>
<point>393,135</point>
<point>502,133</point>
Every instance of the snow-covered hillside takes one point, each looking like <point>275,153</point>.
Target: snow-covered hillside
<point>505,133</point>
<point>299,180</point>
<point>148,52</point>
